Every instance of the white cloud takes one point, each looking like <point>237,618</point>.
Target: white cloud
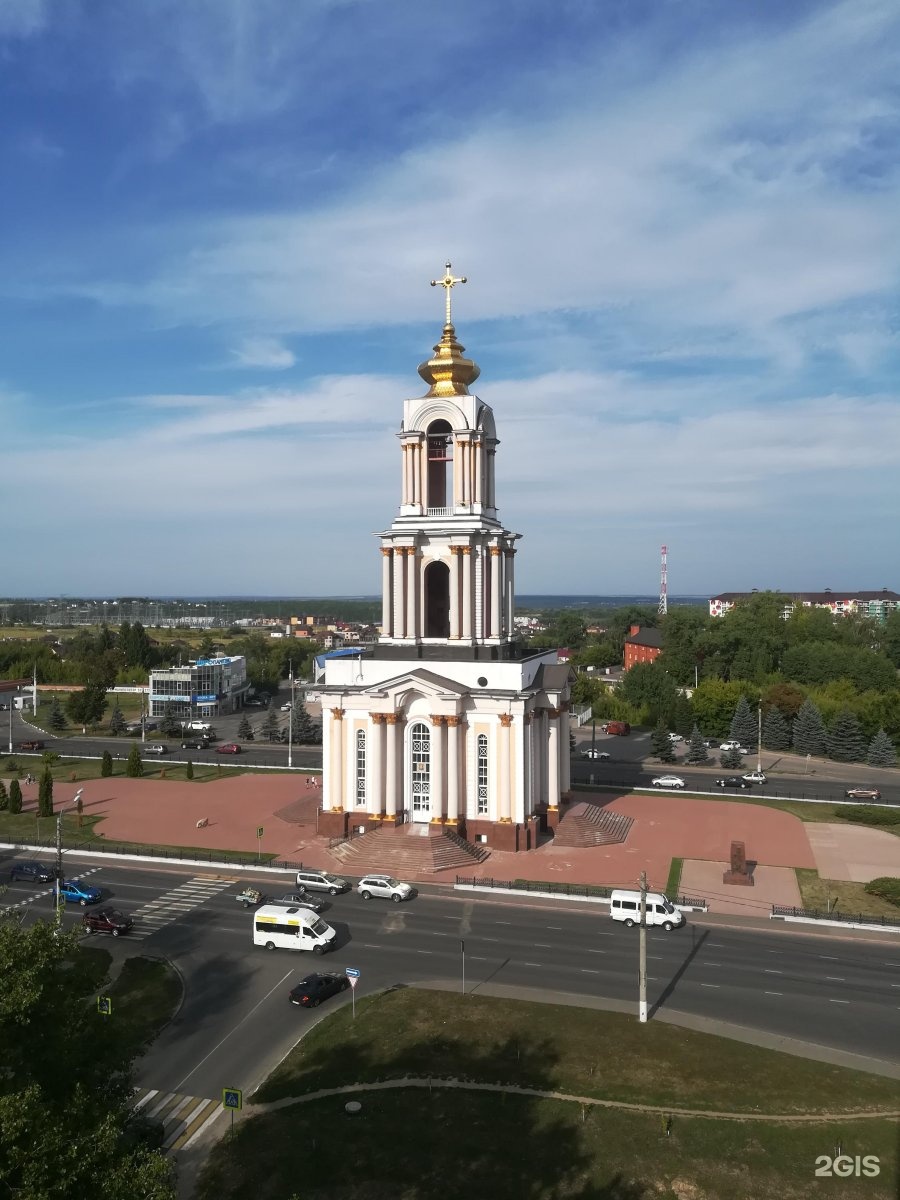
<point>264,352</point>
<point>23,18</point>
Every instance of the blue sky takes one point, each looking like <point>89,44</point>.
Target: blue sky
<point>680,221</point>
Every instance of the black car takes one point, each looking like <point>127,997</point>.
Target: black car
<point>107,920</point>
<point>301,898</point>
<point>196,744</point>
<point>34,872</point>
<point>733,781</point>
<point>311,991</point>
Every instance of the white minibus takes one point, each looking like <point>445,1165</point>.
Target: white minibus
<point>626,906</point>
<point>278,927</point>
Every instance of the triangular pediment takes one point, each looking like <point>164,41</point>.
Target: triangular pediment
<point>425,683</point>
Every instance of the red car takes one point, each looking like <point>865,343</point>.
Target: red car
<point>31,745</point>
<point>228,748</point>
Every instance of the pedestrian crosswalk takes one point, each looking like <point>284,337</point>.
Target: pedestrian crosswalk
<point>183,1118</point>
<point>47,891</point>
<point>172,905</point>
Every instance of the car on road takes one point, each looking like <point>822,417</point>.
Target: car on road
<point>731,744</point>
<point>250,897</point>
<point>196,744</point>
<point>107,920</point>
<point>311,991</point>
<point>863,793</point>
<point>33,872</point>
<point>73,891</point>
<point>322,881</point>
<point>302,899</point>
<point>228,748</point>
<point>755,777</point>
<point>733,781</point>
<point>675,738</point>
<point>287,707</point>
<point>384,886</point>
<point>597,755</point>
<point>668,781</point>
<point>154,748</point>
<point>30,746</point>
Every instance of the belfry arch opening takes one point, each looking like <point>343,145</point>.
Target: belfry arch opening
<point>437,600</point>
<point>440,465</point>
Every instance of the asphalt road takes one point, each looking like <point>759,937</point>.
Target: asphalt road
<point>236,1022</point>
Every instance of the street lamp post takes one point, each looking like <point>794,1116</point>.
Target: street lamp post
<point>291,724</point>
<point>759,737</point>
<point>59,900</point>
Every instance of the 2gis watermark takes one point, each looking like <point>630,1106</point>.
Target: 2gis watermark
<point>845,1166</point>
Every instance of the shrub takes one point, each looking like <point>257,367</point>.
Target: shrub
<point>189,773</point>
<point>106,765</point>
<point>15,797</point>
<point>134,767</point>
<point>4,798</point>
<point>887,887</point>
<point>866,814</point>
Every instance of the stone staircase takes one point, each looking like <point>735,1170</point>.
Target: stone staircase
<point>587,824</point>
<point>409,850</point>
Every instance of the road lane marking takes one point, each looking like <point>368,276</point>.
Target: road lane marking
<point>835,978</point>
<point>525,964</point>
<point>830,1001</point>
<point>487,939</point>
<point>770,971</point>
<point>774,993</point>
<point>595,951</point>
<point>830,957</point>
<point>542,946</point>
<point>287,975</point>
<point>712,985</point>
<point>558,928</point>
<point>588,971</point>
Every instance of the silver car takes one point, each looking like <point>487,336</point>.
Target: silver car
<point>384,886</point>
<point>322,881</point>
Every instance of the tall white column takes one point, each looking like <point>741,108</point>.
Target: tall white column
<point>375,765</point>
<point>496,572</point>
<point>510,603</point>
<point>412,591</point>
<point>392,732</point>
<point>553,751</point>
<point>453,805</point>
<point>404,474</point>
<point>543,736</point>
<point>327,782</point>
<point>479,472</point>
<point>454,592</point>
<point>457,485</point>
<point>437,768</point>
<point>422,473</point>
<point>503,768</point>
<point>387,589</point>
<point>337,759</point>
<point>467,592</point>
<point>565,774</point>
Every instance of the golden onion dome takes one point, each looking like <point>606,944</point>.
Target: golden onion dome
<point>448,372</point>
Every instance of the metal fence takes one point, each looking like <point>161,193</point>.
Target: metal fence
<point>560,889</point>
<point>816,914</point>
<point>591,776</point>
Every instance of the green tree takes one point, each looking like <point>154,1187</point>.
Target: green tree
<point>731,760</point>
<point>4,798</point>
<point>45,794</point>
<point>170,725</point>
<point>57,719</point>
<point>744,727</point>
<point>271,729</point>
<point>245,730</point>
<point>15,797</point>
<point>134,767</point>
<point>697,754</point>
<point>106,764</point>
<point>189,770</point>
<point>306,730</point>
<point>682,715</point>
<point>809,735</point>
<point>748,642</point>
<point>649,684</point>
<point>661,743</point>
<point>776,733</point>
<point>891,637</point>
<point>881,751</point>
<point>845,739</point>
<point>87,706</point>
<point>684,629</point>
<point>117,721</point>
<point>785,697</point>
<point>714,702</point>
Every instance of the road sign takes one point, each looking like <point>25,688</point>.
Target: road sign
<point>354,980</point>
<point>259,831</point>
<point>232,1098</point>
<point>352,972</point>
<point>104,1006</point>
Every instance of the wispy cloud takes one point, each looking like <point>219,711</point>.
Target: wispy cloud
<point>265,352</point>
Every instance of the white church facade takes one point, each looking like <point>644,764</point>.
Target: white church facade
<point>448,719</point>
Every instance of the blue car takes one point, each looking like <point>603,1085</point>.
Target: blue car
<point>73,891</point>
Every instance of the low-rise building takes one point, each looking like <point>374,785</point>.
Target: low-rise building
<point>205,688</point>
<point>642,646</point>
<point>877,605</point>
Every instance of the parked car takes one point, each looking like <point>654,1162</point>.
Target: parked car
<point>322,881</point>
<point>196,744</point>
<point>228,748</point>
<point>668,781</point>
<point>755,777</point>
<point>731,744</point>
<point>311,991</point>
<point>862,793</point>
<point>154,748</point>
<point>384,886</point>
<point>302,899</point>
<point>733,781</point>
<point>33,872</point>
<point>597,755</point>
<point>107,920</point>
<point>286,707</point>
<point>30,746</point>
<point>73,891</point>
<point>675,738</point>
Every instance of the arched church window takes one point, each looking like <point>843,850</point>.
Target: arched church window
<point>360,768</point>
<point>420,745</point>
<point>440,464</point>
<point>482,774</point>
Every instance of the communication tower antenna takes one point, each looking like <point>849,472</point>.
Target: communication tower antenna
<point>663,582</point>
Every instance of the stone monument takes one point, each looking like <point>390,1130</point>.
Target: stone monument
<point>740,872</point>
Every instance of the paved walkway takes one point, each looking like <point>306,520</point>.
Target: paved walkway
<point>853,852</point>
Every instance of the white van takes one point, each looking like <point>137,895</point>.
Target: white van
<point>278,927</point>
<point>626,906</point>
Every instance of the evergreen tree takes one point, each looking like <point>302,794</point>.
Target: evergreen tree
<point>189,772</point>
<point>731,760</point>
<point>170,726</point>
<point>134,767</point>
<point>809,735</point>
<point>117,721</point>
<point>271,730</point>
<point>57,719</point>
<point>45,794</point>
<point>776,733</point>
<point>845,738</point>
<point>305,728</point>
<point>744,727</point>
<point>106,765</point>
<point>15,797</point>
<point>661,744</point>
<point>697,754</point>
<point>4,799</point>
<point>881,751</point>
<point>682,716</point>
<point>245,730</point>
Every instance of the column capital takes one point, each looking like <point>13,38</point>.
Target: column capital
<point>377,718</point>
<point>509,551</point>
<point>553,713</point>
<point>456,549</point>
<point>506,720</point>
<point>564,707</point>
<point>385,550</point>
<point>437,719</point>
<point>453,722</point>
<point>392,718</point>
<point>495,551</point>
<point>337,714</point>
<point>465,549</point>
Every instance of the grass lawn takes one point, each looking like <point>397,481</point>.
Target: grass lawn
<point>850,897</point>
<point>430,1145</point>
<point>145,997</point>
<point>673,883</point>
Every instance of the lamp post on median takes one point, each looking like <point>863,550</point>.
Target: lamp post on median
<point>759,737</point>
<point>291,724</point>
<point>59,899</point>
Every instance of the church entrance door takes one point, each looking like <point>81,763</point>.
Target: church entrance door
<point>420,771</point>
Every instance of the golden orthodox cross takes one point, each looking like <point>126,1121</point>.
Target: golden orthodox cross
<point>447,283</point>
